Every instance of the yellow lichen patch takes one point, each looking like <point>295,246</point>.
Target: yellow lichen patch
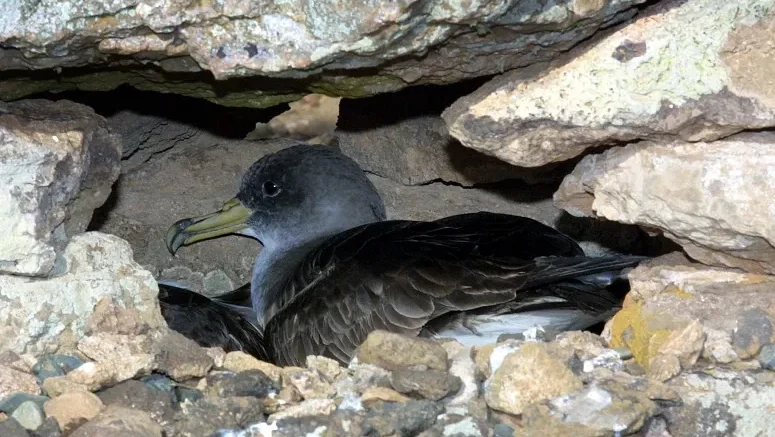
<point>678,292</point>
<point>630,329</point>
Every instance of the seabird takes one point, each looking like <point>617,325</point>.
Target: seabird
<point>333,268</point>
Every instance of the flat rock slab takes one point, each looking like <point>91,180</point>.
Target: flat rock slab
<point>652,77</point>
<point>293,39</point>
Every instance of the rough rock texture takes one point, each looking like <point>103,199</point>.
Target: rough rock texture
<point>15,381</point>
<point>46,315</point>
<point>526,376</point>
<point>285,40</point>
<point>420,150</point>
<point>73,409</point>
<point>120,422</point>
<point>706,196</point>
<point>626,87</point>
<point>722,403</point>
<point>196,178</point>
<point>57,164</point>
<point>392,351</point>
<point>672,299</point>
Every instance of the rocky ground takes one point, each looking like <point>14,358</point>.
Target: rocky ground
<point>635,127</point>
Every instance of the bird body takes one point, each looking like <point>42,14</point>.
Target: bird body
<point>333,269</point>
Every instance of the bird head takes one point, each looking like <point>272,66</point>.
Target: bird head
<point>298,194</point>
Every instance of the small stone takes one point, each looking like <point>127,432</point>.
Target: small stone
<point>57,385</point>
<point>185,394</point>
<point>403,419</point>
<point>29,415</point>
<point>586,344</point>
<point>120,422</point>
<point>754,329</point>
<point>182,358</point>
<point>104,346</point>
<point>767,356</point>
<point>481,355</point>
<point>107,373</point>
<point>374,394</point>
<point>137,395</point>
<point>239,361</point>
<point>55,365</point>
<point>218,355</point>
<point>308,383</point>
<point>11,428</point>
<point>527,376</point>
<point>49,428</point>
<point>72,409</point>
<point>14,381</point>
<point>159,382</point>
<point>12,402</point>
<point>428,384</point>
<point>310,407</point>
<point>208,415</point>
<point>13,360</point>
<point>393,351</point>
<point>326,367</point>
<point>664,367</point>
<point>250,383</point>
<point>686,344</point>
<point>359,377</point>
<point>718,347</point>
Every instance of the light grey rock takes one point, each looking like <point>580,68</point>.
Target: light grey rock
<point>439,41</point>
<point>625,87</point>
<point>57,164</point>
<point>709,197</point>
<point>51,315</point>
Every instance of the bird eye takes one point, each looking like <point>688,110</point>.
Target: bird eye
<point>270,189</point>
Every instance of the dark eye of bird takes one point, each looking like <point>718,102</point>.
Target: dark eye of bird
<point>270,189</point>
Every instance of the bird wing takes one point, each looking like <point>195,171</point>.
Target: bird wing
<point>399,275</point>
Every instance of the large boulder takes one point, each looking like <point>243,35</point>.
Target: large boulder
<point>348,48</point>
<point>97,281</point>
<point>58,161</point>
<point>709,197</point>
<point>696,70</point>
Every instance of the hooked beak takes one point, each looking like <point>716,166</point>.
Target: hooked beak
<point>231,218</point>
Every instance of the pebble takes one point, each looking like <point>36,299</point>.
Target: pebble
<point>29,415</point>
<point>72,409</point>
<point>49,428</point>
<point>664,367</point>
<point>393,351</point>
<point>310,407</point>
<point>11,402</point>
<point>428,384</point>
<point>327,368</point>
<point>186,394</point>
<point>11,428</point>
<point>309,383</point>
<point>251,383</point>
<point>137,395</point>
<point>217,354</point>
<point>159,382</point>
<point>96,375</point>
<point>526,376</point>
<point>767,356</point>
<point>238,361</point>
<point>208,415</point>
<point>181,358</point>
<point>55,365</point>
<point>384,394</point>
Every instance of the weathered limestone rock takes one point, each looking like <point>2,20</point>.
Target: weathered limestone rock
<point>653,77</point>
<point>707,196</point>
<point>670,298</point>
<point>57,164</point>
<point>526,376</point>
<point>286,40</point>
<point>39,316</point>
<point>393,351</point>
<point>722,403</point>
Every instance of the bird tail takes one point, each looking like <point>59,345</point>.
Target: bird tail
<point>212,322</point>
<point>596,285</point>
